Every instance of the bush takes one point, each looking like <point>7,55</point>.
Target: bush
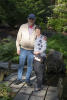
<point>65,28</point>
<point>59,43</point>
<point>5,92</point>
<point>8,50</point>
<point>58,20</point>
<point>57,23</point>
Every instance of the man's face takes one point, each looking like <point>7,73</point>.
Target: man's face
<point>31,21</point>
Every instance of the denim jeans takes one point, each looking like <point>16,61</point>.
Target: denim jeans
<point>22,58</point>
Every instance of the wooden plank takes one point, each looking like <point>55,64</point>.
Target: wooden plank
<point>41,92</point>
<point>52,94</point>
<point>23,78</point>
<point>7,65</point>
<point>39,95</point>
<point>10,65</point>
<point>4,65</point>
<point>10,78</point>
<point>16,88</point>
<point>25,91</point>
<point>21,96</point>
<point>36,98</point>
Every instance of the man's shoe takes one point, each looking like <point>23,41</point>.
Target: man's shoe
<point>18,82</point>
<point>28,83</point>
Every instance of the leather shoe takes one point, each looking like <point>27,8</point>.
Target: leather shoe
<point>28,83</point>
<point>18,82</point>
<point>37,89</point>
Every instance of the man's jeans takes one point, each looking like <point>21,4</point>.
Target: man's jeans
<point>22,58</point>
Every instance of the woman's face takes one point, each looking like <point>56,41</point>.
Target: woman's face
<point>38,32</point>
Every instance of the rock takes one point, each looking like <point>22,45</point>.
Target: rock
<point>55,62</point>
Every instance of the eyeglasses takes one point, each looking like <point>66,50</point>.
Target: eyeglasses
<point>31,18</point>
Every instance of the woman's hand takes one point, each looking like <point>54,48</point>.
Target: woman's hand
<point>36,53</point>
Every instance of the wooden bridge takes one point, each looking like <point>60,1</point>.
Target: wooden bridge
<point>24,92</point>
<point>52,90</point>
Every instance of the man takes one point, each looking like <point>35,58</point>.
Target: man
<point>25,46</point>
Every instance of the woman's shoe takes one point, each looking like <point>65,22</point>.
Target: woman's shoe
<point>37,89</point>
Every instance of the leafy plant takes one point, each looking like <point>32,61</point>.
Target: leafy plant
<point>16,11</point>
<point>56,23</point>
<point>58,20</point>
<point>8,50</point>
<point>65,28</point>
<point>5,92</point>
<point>59,43</point>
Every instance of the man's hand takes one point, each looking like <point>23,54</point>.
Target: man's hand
<point>18,52</point>
<point>36,53</point>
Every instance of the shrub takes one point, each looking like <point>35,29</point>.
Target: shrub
<point>58,19</point>
<point>4,92</point>
<point>59,43</point>
<point>8,50</point>
<point>65,28</point>
<point>57,23</point>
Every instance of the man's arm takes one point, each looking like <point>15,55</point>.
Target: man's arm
<point>45,38</point>
<point>18,40</point>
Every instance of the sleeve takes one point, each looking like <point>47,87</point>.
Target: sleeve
<point>19,35</point>
<point>44,44</point>
<point>35,46</point>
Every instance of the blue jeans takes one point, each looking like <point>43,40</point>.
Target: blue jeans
<point>22,58</point>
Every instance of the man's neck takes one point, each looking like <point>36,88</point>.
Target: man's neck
<point>30,25</point>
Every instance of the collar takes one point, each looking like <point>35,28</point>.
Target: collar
<point>31,26</point>
<point>39,36</point>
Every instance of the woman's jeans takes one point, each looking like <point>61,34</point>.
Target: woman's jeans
<point>22,59</point>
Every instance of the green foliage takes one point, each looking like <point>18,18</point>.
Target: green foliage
<point>65,28</point>
<point>4,92</point>
<point>16,11</point>
<point>8,50</point>
<point>43,26</point>
<point>57,23</point>
<point>59,17</point>
<point>59,43</point>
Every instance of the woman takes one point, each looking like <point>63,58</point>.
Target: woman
<point>39,56</point>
